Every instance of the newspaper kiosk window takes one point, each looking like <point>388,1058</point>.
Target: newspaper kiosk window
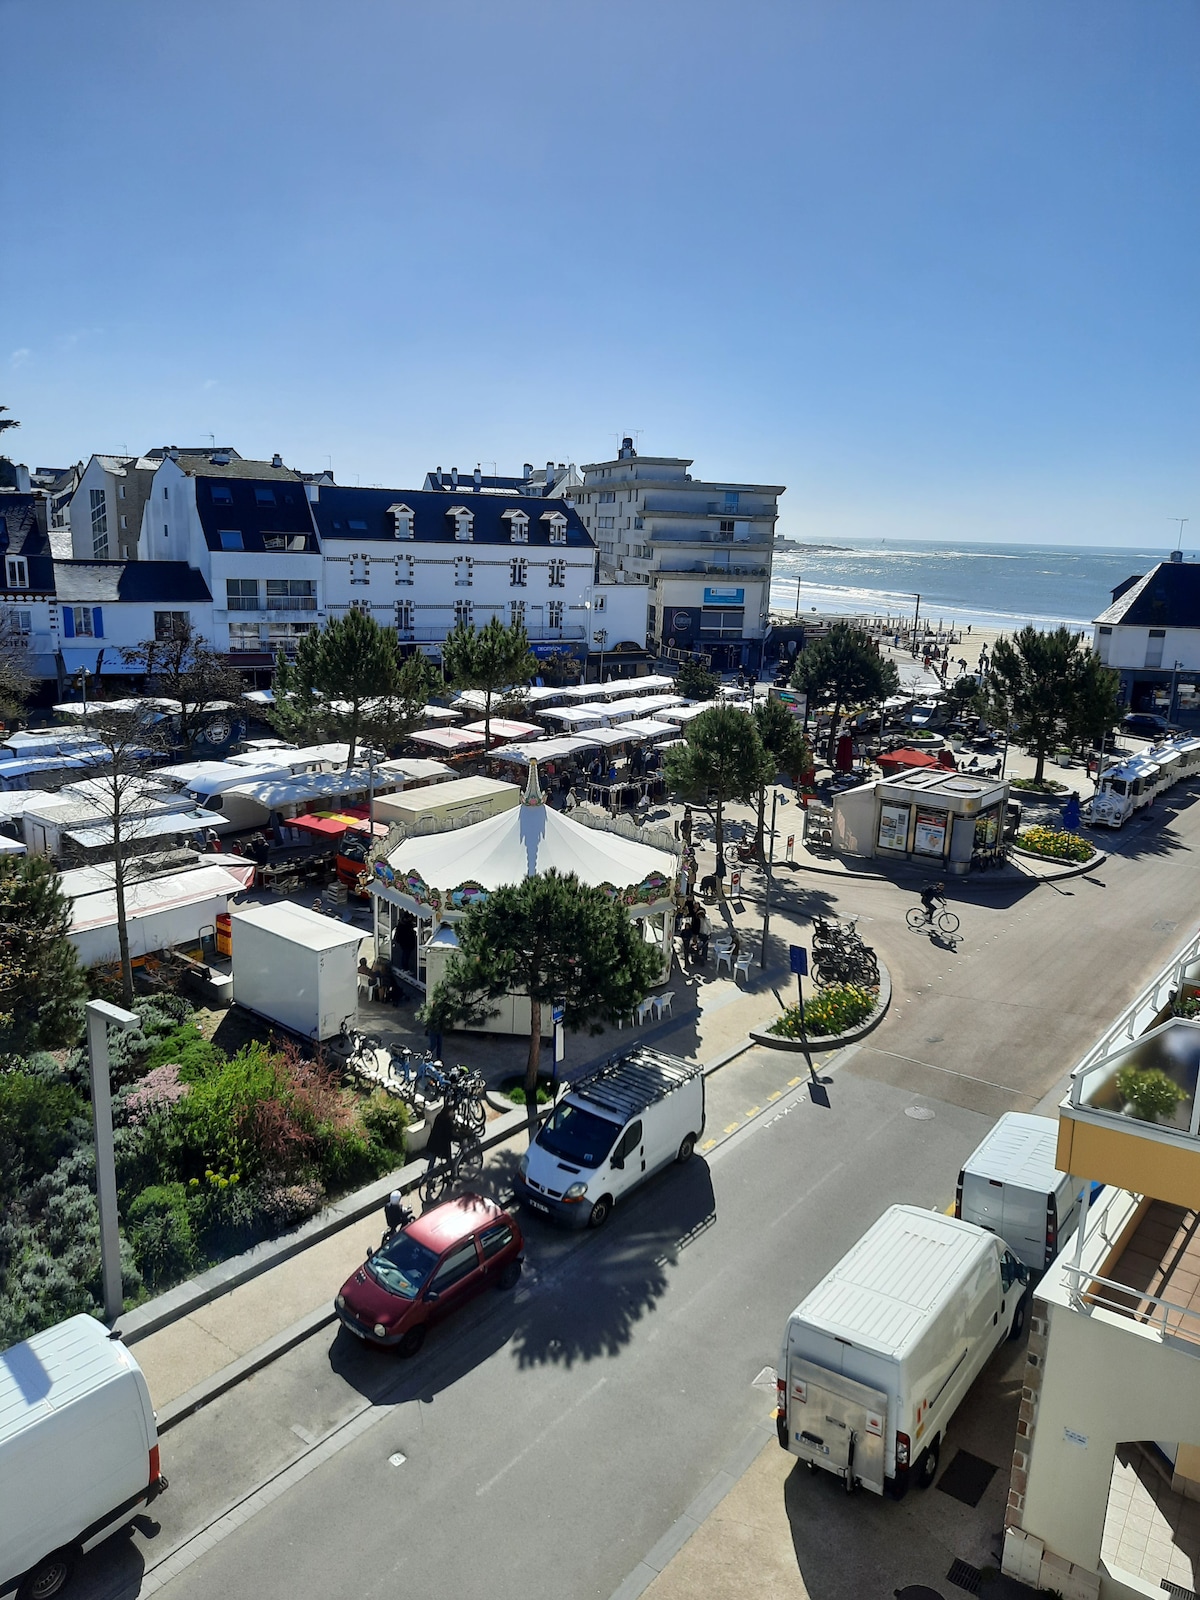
<point>893,827</point>
<point>930,836</point>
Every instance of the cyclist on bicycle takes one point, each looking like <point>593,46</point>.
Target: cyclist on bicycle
<point>932,895</point>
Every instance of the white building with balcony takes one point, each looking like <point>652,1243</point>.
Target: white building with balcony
<point>1150,635</point>
<point>704,550</point>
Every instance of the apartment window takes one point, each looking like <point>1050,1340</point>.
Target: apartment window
<point>464,522</point>
<point>264,497</point>
<point>639,522</point>
<point>607,497</point>
<point>404,569</point>
<point>464,614</point>
<point>558,574</point>
<point>598,602</point>
<point>167,535</point>
<point>120,491</point>
<point>360,571</point>
<point>291,594</point>
<point>356,525</point>
<point>170,625</point>
<point>731,499</point>
<point>727,528</point>
<point>361,605</point>
<point>285,541</point>
<point>241,594</point>
<point>18,620</point>
<point>82,620</point>
<point>402,521</point>
<point>606,549</point>
<point>1104,644</point>
<point>462,572</point>
<point>518,573</point>
<point>16,572</point>
<point>166,492</point>
<point>221,494</point>
<point>558,533</point>
<point>286,636</point>
<point>516,612</point>
<point>722,619</point>
<point>99,507</point>
<point>1154,647</point>
<point>231,538</point>
<point>608,522</point>
<point>404,616</point>
<point>244,638</point>
<point>124,524</point>
<point>554,613</point>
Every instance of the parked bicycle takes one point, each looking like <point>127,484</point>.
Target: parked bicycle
<point>456,1152</point>
<point>840,956</point>
<point>357,1049</point>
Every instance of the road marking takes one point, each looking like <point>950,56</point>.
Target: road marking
<point>732,1127</point>
<point>792,1082</point>
<point>753,1112</point>
<point>950,1072</point>
<point>774,1096</point>
<point>397,1460</point>
<point>709,1144</point>
<point>533,1443</point>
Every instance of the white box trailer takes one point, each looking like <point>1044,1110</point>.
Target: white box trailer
<point>78,1451</point>
<point>877,1359</point>
<point>296,967</point>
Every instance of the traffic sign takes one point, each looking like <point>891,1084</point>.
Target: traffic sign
<point>799,960</point>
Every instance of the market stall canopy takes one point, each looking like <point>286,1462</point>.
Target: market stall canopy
<point>684,713</point>
<point>447,871</point>
<point>152,827</point>
<point>902,760</point>
<point>555,748</point>
<point>649,728</point>
<point>575,716</point>
<point>417,769</point>
<point>285,790</point>
<point>333,824</point>
<point>504,728</point>
<point>442,714</point>
<point>453,740</point>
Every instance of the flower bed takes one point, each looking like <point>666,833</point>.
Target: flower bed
<point>1030,786</point>
<point>834,1010</point>
<point>1056,844</point>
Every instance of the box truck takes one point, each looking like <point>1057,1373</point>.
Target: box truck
<point>296,967</point>
<point>877,1359</point>
<point>611,1131</point>
<point>1011,1187</point>
<point>78,1451</point>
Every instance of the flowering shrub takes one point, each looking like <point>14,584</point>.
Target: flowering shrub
<point>833,1010</point>
<point>158,1090</point>
<point>1055,843</point>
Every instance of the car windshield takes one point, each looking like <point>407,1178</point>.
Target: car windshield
<point>402,1266</point>
<point>577,1135</point>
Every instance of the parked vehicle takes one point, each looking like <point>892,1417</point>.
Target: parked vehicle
<point>1011,1187</point>
<point>1146,724</point>
<point>877,1359</point>
<point>428,1270</point>
<point>929,714</point>
<point>78,1451</point>
<point>613,1129</point>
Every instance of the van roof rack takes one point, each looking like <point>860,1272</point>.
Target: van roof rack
<point>627,1084</point>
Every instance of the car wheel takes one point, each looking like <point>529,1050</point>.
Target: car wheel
<point>1018,1322</point>
<point>49,1576</point>
<point>510,1277</point>
<point>686,1147</point>
<point>411,1342</point>
<point>599,1214</point>
<point>928,1464</point>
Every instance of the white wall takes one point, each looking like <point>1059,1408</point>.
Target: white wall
<point>1126,647</point>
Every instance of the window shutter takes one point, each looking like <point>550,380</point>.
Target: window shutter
<point>97,622</point>
<point>68,617</point>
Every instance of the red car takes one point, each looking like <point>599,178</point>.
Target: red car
<point>429,1269</point>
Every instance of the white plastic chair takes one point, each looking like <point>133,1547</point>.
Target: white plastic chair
<point>724,953</point>
<point>743,964</point>
<point>645,1007</point>
<point>662,1004</point>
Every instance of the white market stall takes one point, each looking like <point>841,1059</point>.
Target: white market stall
<point>423,885</point>
<point>160,913</point>
<point>296,967</point>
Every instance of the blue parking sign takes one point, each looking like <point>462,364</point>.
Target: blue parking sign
<point>799,961</point>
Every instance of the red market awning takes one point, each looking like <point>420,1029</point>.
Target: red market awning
<point>901,760</point>
<point>323,827</point>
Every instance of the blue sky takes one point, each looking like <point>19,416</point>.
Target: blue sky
<point>932,265</point>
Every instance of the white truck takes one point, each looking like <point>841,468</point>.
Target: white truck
<point>78,1451</point>
<point>877,1359</point>
<point>611,1131</point>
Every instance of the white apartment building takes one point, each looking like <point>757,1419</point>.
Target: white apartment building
<point>1150,635</point>
<point>104,511</point>
<point>702,549</point>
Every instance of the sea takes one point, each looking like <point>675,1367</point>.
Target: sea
<point>985,585</point>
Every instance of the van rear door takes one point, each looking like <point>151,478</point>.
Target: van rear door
<point>1024,1225</point>
<point>983,1202</point>
<point>836,1423</point>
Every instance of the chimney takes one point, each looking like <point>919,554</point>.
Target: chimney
<point>173,453</point>
<point>277,459</point>
<point>21,472</point>
<point>1176,555</point>
<point>549,477</point>
<point>627,450</point>
<point>454,477</point>
<point>528,470</point>
<point>478,478</point>
<point>437,477</point>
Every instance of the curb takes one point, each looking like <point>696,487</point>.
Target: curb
<point>228,1377</point>
<point>835,1041</point>
<point>1070,869</point>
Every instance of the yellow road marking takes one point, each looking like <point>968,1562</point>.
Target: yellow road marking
<point>753,1111</point>
<point>733,1127</point>
<point>949,1211</point>
<point>774,1096</point>
<point>709,1144</point>
<point>792,1082</point>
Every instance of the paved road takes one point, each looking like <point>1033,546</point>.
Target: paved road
<point>552,1442</point>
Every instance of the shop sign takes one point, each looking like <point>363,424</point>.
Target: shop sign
<point>930,838</point>
<point>893,827</point>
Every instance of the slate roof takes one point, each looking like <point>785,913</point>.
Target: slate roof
<point>22,534</point>
<point>129,581</point>
<point>288,514</point>
<point>204,467</point>
<point>362,514</point>
<point>1167,597</point>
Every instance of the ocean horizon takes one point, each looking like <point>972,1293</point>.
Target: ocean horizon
<point>987,585</point>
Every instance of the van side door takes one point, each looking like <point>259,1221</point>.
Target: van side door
<point>628,1160</point>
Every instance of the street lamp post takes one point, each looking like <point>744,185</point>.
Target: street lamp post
<point>84,675</point>
<point>99,1014</point>
<point>762,955</point>
<point>600,637</point>
<point>1174,683</point>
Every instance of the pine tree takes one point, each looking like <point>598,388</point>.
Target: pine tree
<point>492,659</point>
<point>1036,684</point>
<point>41,981</point>
<point>843,669</point>
<point>784,742</point>
<point>722,759</point>
<point>556,940</point>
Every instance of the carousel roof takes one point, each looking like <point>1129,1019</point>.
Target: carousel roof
<point>521,843</point>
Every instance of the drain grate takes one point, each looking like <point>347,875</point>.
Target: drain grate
<point>920,1113</point>
<point>964,1576</point>
<point>1177,1592</point>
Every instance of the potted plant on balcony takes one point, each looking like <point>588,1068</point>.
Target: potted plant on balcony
<point>1148,1095</point>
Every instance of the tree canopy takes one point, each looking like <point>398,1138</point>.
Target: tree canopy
<point>41,981</point>
<point>556,940</point>
<point>722,759</point>
<point>787,748</point>
<point>696,681</point>
<point>842,669</point>
<point>185,667</point>
<point>492,659</point>
<point>350,682</point>
<point>1049,686</point>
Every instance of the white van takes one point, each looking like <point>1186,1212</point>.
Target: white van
<point>78,1451</point>
<point>609,1132</point>
<point>1011,1187</point>
<point>879,1356</point>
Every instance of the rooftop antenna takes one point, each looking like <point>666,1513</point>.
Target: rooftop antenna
<point>1180,521</point>
<point>212,439</point>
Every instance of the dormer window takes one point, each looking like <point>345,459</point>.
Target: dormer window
<point>402,521</point>
<point>464,522</point>
<point>16,570</point>
<point>557,525</point>
<point>518,526</point>
<point>264,497</point>
<point>221,494</point>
